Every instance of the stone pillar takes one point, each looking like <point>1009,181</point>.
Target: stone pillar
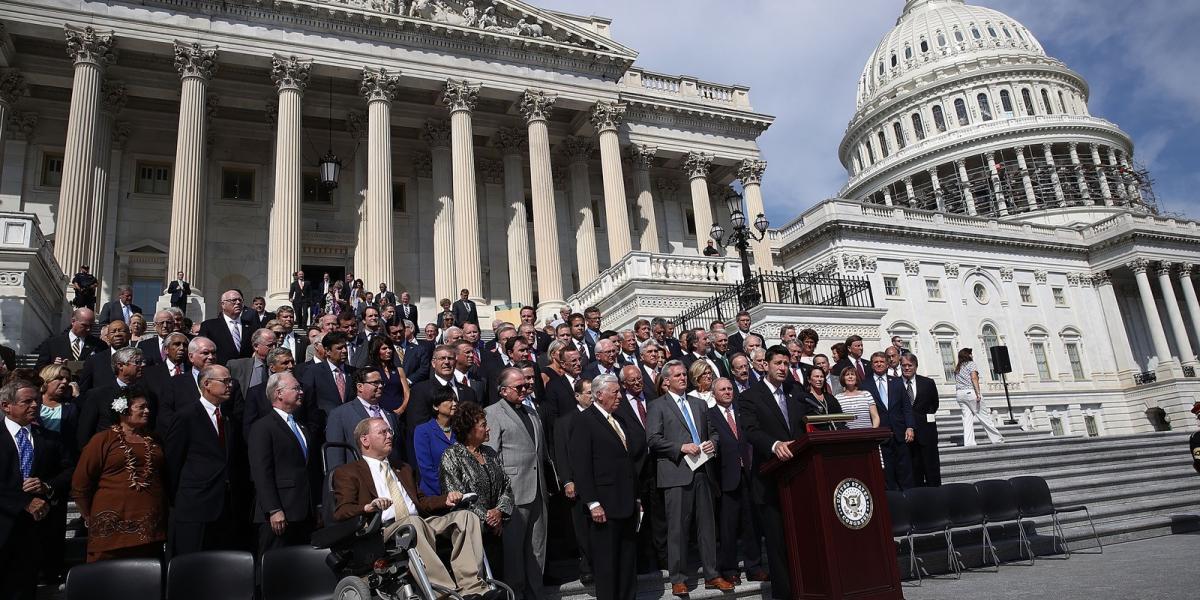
<point>106,269</point>
<point>437,135</point>
<point>535,106</point>
<point>18,131</point>
<point>1081,181</point>
<point>965,181</point>
<point>196,65</point>
<point>696,165</point>
<point>1115,169</point>
<point>290,76</point>
<point>512,146</point>
<point>1135,195</point>
<point>1054,180</point>
<point>1100,176</point>
<point>91,52</point>
<point>750,173</point>
<point>1122,351</point>
<point>1187,358</point>
<point>378,88</point>
<point>606,118</point>
<point>12,87</point>
<point>937,189</point>
<point>1189,294</point>
<point>642,157</point>
<point>1026,180</point>
<point>908,192</point>
<point>578,151</point>
<point>112,100</point>
<point>997,189</point>
<point>356,126</point>
<point>1166,364</point>
<point>887,196</point>
<point>460,98</point>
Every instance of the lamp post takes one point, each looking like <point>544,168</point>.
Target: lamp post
<point>329,168</point>
<point>739,238</point>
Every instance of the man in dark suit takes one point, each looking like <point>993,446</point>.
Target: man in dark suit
<point>494,363</point>
<point>97,369</point>
<point>179,289</point>
<point>279,360</point>
<point>698,342</point>
<point>604,464</point>
<point>122,308</point>
<point>406,310</point>
<point>464,309</point>
<point>385,295</point>
<point>895,413</point>
<point>227,331</point>
<point>772,417</point>
<point>923,450</point>
<point>798,370</point>
<point>560,396</point>
<point>650,353</point>
<point>605,363</point>
<point>35,475</point>
<point>465,372</point>
<point>154,347</point>
<point>415,360</point>
<point>853,359</point>
<point>84,285</point>
<point>298,297</point>
<point>256,315</point>
<point>738,520</point>
<point>328,384</point>
<point>420,409</point>
<point>252,370</point>
<point>563,446</point>
<point>634,412</point>
<point>587,350</point>
<point>627,350</point>
<point>368,385</point>
<point>158,375</point>
<point>529,317</point>
<point>279,467</point>
<point>76,344</point>
<point>206,470</point>
<point>737,341</point>
<point>667,342</point>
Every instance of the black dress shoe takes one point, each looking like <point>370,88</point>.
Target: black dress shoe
<point>586,579</point>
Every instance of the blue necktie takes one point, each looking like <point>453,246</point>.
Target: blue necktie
<point>881,384</point>
<point>687,418</point>
<point>25,452</point>
<point>299,438</point>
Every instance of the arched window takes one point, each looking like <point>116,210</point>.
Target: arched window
<point>990,338</point>
<point>941,40</point>
<point>899,131</point>
<point>975,33</point>
<point>918,126</point>
<point>1046,103</point>
<point>881,68</point>
<point>870,151</point>
<point>857,163</point>
<point>1006,103</point>
<point>883,145</point>
<point>1007,33</point>
<point>1027,100</point>
<point>924,46</point>
<point>907,52</point>
<point>992,31</point>
<point>1061,102</point>
<point>960,109</point>
<point>958,36</point>
<point>1019,34</point>
<point>894,61</point>
<point>985,109</point>
<point>939,120</point>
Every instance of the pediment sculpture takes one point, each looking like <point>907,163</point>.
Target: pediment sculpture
<point>482,14</point>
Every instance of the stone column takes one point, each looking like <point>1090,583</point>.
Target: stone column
<point>106,269</point>
<point>1026,180</point>
<point>1115,169</point>
<point>18,131</point>
<point>196,65</point>
<point>356,126</point>
<point>1081,181</point>
<point>460,98</point>
<point>908,192</point>
<point>535,106</point>
<point>112,100</point>
<point>378,88</point>
<point>1135,195</point>
<point>642,158</point>
<point>997,189</point>
<point>437,135</point>
<point>1054,180</point>
<point>1100,176</point>
<point>290,76</point>
<point>887,195</point>
<point>512,146</point>
<point>965,181</point>
<point>91,52</point>
<point>939,200</point>
<point>1166,363</point>
<point>606,118</point>
<point>750,173</point>
<point>696,166</point>
<point>577,151</point>
<point>1189,294</point>
<point>12,87</point>
<point>1187,358</point>
<point>1122,351</point>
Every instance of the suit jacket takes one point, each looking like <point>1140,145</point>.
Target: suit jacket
<point>59,346</point>
<point>648,382</point>
<point>737,342</point>
<point>416,362</point>
<point>354,488</point>
<point>690,358</point>
<point>563,434</point>
<point>179,293</point>
<point>340,429</point>
<point>464,311</point>
<point>299,296</point>
<point>419,410</point>
<point>763,424</point>
<point>836,369</point>
<point>151,352</point>
<point>667,431</point>
<point>390,295</point>
<point>112,312</point>
<point>216,330</point>
<point>490,369</point>
<point>250,317</point>
<point>926,404</point>
<point>559,398</point>
<point>97,371</point>
<point>242,369</point>
<point>321,394</point>
<point>674,350</point>
<point>184,391</point>
<point>203,475</point>
<point>593,369</point>
<point>258,407</point>
<point>520,455</point>
<point>279,470</point>
<point>898,414</point>
<point>299,346</point>
<point>628,415</point>
<point>735,457</point>
<point>51,463</point>
<point>604,469</point>
<point>95,416</point>
<point>408,312</point>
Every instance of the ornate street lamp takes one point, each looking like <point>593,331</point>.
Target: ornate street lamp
<point>739,238</point>
<point>330,168</point>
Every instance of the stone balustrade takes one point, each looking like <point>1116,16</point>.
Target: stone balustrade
<point>31,283</point>
<point>682,86</point>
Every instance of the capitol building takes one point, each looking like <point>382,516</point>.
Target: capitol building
<point>524,154</point>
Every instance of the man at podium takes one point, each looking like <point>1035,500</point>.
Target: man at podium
<point>771,417</point>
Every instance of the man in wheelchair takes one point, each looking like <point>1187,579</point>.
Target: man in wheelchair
<point>373,485</point>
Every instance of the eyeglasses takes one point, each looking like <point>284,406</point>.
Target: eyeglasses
<point>523,386</point>
<point>231,300</point>
<point>136,363</point>
<point>162,323</point>
<point>374,383</point>
<point>222,380</point>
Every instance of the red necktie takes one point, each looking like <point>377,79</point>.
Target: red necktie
<point>179,369</point>
<point>340,380</point>
<point>220,426</point>
<point>732,425</point>
<point>641,404</point>
<point>858,367</point>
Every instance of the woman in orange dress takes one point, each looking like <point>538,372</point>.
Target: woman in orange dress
<point>118,485</point>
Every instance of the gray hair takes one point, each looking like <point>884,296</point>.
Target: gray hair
<point>8,393</point>
<point>274,353</point>
<point>126,355</point>
<point>273,383</point>
<point>257,336</point>
<point>910,357</point>
<point>673,363</point>
<point>408,324</point>
<point>175,311</point>
<point>757,351</point>
<point>207,373</point>
<point>554,348</point>
<point>603,345</point>
<point>176,333</point>
<point>194,345</point>
<point>510,372</point>
<point>650,344</point>
<point>600,381</point>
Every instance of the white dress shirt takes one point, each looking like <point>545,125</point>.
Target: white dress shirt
<point>211,409</point>
<point>283,415</point>
<point>608,419</point>
<point>382,491</point>
<point>13,428</point>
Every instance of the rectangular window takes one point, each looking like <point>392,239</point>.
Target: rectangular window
<point>1060,297</point>
<point>1026,294</point>
<point>1043,365</point>
<point>1089,421</point>
<point>1056,426</point>
<point>689,221</point>
<point>1076,363</point>
<point>934,288</point>
<point>314,192</point>
<point>891,286</point>
<point>52,168</point>
<point>399,201</point>
<point>946,350</point>
<point>596,216</point>
<point>153,178</point>
<point>237,184</point>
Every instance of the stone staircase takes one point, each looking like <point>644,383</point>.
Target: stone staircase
<point>950,431</point>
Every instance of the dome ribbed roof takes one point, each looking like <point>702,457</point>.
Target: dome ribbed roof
<point>939,32</point>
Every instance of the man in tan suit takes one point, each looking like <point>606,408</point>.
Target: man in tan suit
<point>371,484</point>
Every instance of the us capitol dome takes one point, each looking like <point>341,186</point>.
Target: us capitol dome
<point>960,110</point>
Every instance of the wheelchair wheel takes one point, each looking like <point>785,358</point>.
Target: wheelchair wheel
<point>353,588</point>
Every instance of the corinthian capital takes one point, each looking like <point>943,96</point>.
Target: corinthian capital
<point>194,60</point>
<point>289,72</point>
<point>377,85</point>
<point>1185,270</point>
<point>642,156</point>
<point>1164,269</point>
<point>1100,278</point>
<point>697,164</point>
<point>436,133</point>
<point>22,124</point>
<point>607,116</point>
<point>460,95</point>
<point>576,149</point>
<point>112,97</point>
<point>12,86</point>
<point>510,140</point>
<point>1138,265</point>
<point>536,105</point>
<point>751,171</point>
<point>87,45</point>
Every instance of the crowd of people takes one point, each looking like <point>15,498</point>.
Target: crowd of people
<point>554,436</point>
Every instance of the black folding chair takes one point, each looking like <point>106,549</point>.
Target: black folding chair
<point>1033,496</point>
<point>121,579</point>
<point>930,516</point>
<point>297,573</point>
<point>966,512</point>
<point>902,529</point>
<point>190,577</point>
<point>1000,505</point>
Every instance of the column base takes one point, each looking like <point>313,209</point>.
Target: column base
<point>195,307</point>
<point>277,298</point>
<point>1168,369</point>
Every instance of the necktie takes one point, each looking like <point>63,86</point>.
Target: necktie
<point>781,399</point>
<point>641,404</point>
<point>340,380</point>
<point>25,452</point>
<point>299,437</point>
<point>125,312</point>
<point>220,426</point>
<point>881,385</point>
<point>235,330</point>
<point>859,368</point>
<point>375,414</point>
<point>613,423</point>
<point>687,418</point>
<point>75,348</point>
<point>732,424</point>
<point>393,486</point>
<point>179,369</point>
<point>911,396</point>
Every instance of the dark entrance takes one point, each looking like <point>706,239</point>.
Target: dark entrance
<point>314,273</point>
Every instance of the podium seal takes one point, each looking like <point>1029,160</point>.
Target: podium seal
<point>853,503</point>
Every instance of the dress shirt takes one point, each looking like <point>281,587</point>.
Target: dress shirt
<point>289,342</point>
<point>382,491</point>
<point>72,339</point>
<point>782,408</point>
<point>211,409</point>
<point>367,406</point>
<point>881,384</point>
<point>13,428</point>
<point>711,364</point>
<point>231,324</point>
<point>635,402</point>
<point>283,415</point>
<point>608,418</point>
<point>444,383</point>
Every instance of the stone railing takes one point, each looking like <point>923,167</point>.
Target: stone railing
<point>686,88</point>
<point>662,269</point>
<point>32,286</point>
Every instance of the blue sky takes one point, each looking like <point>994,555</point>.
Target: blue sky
<point>802,59</point>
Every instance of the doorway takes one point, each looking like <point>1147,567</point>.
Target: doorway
<point>314,273</point>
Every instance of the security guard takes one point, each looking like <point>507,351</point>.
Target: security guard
<point>1195,443</point>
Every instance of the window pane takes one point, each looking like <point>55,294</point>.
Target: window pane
<point>399,202</point>
<point>899,131</point>
<point>870,151</point>
<point>1089,421</point>
<point>883,145</point>
<point>1006,103</point>
<point>934,288</point>
<point>958,36</point>
<point>314,192</point>
<point>939,120</point>
<point>52,167</point>
<point>891,286</point>
<point>985,109</point>
<point>1076,364</point>
<point>153,179</point>
<point>1056,426</point>
<point>1061,102</point>
<point>1060,297</point>
<point>960,108</point>
<point>237,184</point>
<point>1039,356</point>
<point>918,126</point>
<point>689,221</point>
<point>1027,100</point>
<point>1046,103</point>
<point>946,350</point>
<point>1026,295</point>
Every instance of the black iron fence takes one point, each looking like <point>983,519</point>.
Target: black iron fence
<point>779,288</point>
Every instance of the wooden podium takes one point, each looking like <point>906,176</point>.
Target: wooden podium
<point>836,522</point>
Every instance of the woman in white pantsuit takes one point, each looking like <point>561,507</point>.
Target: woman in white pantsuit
<point>970,401</point>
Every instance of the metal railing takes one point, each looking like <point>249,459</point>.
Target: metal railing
<point>1144,378</point>
<point>1189,371</point>
<point>779,288</point>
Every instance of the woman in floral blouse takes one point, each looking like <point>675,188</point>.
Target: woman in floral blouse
<point>470,467</point>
